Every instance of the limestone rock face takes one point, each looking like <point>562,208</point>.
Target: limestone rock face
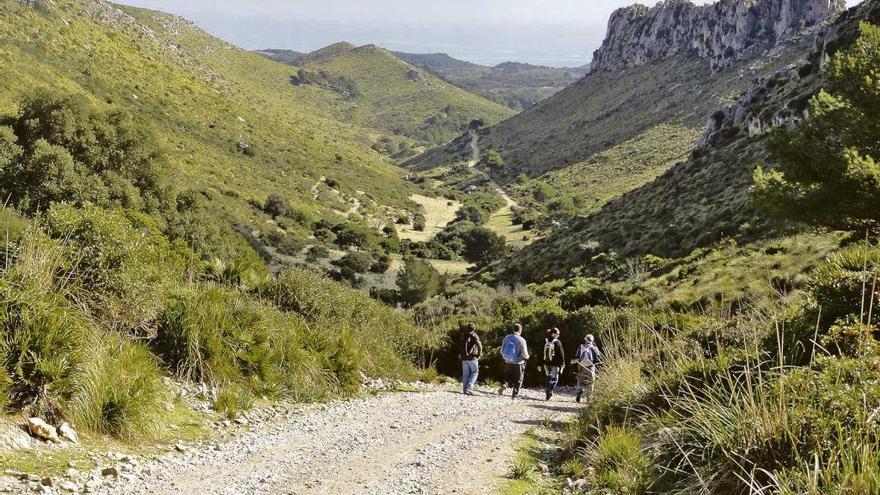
<point>722,33</point>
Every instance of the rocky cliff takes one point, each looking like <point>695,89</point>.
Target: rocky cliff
<point>723,32</point>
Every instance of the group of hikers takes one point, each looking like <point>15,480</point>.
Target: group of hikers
<point>515,352</point>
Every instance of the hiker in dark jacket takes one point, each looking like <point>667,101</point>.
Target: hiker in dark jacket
<point>554,360</point>
<point>471,350</point>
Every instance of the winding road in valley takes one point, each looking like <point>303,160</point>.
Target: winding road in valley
<point>434,442</point>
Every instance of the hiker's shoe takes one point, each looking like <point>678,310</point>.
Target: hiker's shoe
<point>549,395</point>
<point>469,392</point>
<point>577,398</point>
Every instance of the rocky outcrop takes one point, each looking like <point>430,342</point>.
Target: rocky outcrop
<point>722,33</point>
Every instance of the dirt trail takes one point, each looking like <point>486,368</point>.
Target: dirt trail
<point>436,442</point>
<point>502,221</point>
<point>475,159</point>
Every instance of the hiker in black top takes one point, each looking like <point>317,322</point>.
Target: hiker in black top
<point>471,350</point>
<point>553,360</point>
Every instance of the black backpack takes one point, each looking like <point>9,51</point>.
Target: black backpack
<point>471,347</point>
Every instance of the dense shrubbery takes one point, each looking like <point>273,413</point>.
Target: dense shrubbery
<point>120,280</point>
<point>59,148</point>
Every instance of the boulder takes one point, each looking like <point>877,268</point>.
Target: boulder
<point>67,432</point>
<point>42,430</point>
<point>12,439</point>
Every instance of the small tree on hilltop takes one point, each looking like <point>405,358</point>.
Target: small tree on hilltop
<point>828,172</point>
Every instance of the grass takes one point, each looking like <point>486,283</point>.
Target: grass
<point>438,213</point>
<point>524,474</point>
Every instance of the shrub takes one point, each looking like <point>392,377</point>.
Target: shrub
<point>114,258</point>
<point>357,262</point>
<point>620,463</point>
<point>419,222</point>
<point>67,150</point>
<point>233,400</point>
<point>213,335</point>
<point>386,340</point>
<point>120,391</point>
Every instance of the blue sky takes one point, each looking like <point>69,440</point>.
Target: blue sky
<point>549,32</point>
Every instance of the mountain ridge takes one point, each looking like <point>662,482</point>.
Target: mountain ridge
<point>722,32</point>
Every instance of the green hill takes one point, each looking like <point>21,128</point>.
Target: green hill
<point>383,92</point>
<point>516,85</point>
<point>230,122</point>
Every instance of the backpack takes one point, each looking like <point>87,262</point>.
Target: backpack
<point>471,347</point>
<point>549,351</point>
<point>586,357</point>
<point>508,349</point>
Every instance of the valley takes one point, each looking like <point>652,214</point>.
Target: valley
<point>266,271</point>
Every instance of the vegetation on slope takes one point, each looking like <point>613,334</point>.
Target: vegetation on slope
<point>388,94</point>
<point>704,198</point>
<point>217,112</point>
<point>516,85</point>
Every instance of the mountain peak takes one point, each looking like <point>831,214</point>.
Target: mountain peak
<point>723,32</point>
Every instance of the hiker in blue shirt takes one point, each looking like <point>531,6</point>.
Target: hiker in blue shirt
<point>515,352</point>
<point>588,356</point>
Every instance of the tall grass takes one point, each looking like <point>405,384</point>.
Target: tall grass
<point>717,402</point>
<point>119,391</point>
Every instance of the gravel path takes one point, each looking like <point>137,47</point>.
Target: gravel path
<point>437,442</point>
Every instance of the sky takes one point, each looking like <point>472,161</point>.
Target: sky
<point>547,32</point>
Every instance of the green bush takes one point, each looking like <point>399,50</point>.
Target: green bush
<point>620,464</point>
<point>66,150</point>
<point>120,391</point>
<point>213,335</point>
<point>386,340</point>
<point>843,284</point>
<point>233,400</point>
<point>44,346</point>
<point>115,258</point>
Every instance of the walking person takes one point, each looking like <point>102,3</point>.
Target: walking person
<point>588,357</point>
<point>471,351</point>
<point>515,352</point>
<point>554,360</point>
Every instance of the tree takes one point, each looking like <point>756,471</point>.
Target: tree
<point>542,192</point>
<point>419,222</point>
<point>358,262</point>
<point>483,246</point>
<point>60,148</point>
<point>418,281</point>
<point>827,171</point>
<point>492,159</point>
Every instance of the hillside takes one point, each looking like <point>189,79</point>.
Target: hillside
<point>516,85</point>
<point>617,105</point>
<point>706,197</point>
<point>385,93</point>
<point>218,110</point>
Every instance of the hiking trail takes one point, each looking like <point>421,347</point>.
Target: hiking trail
<point>436,442</point>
